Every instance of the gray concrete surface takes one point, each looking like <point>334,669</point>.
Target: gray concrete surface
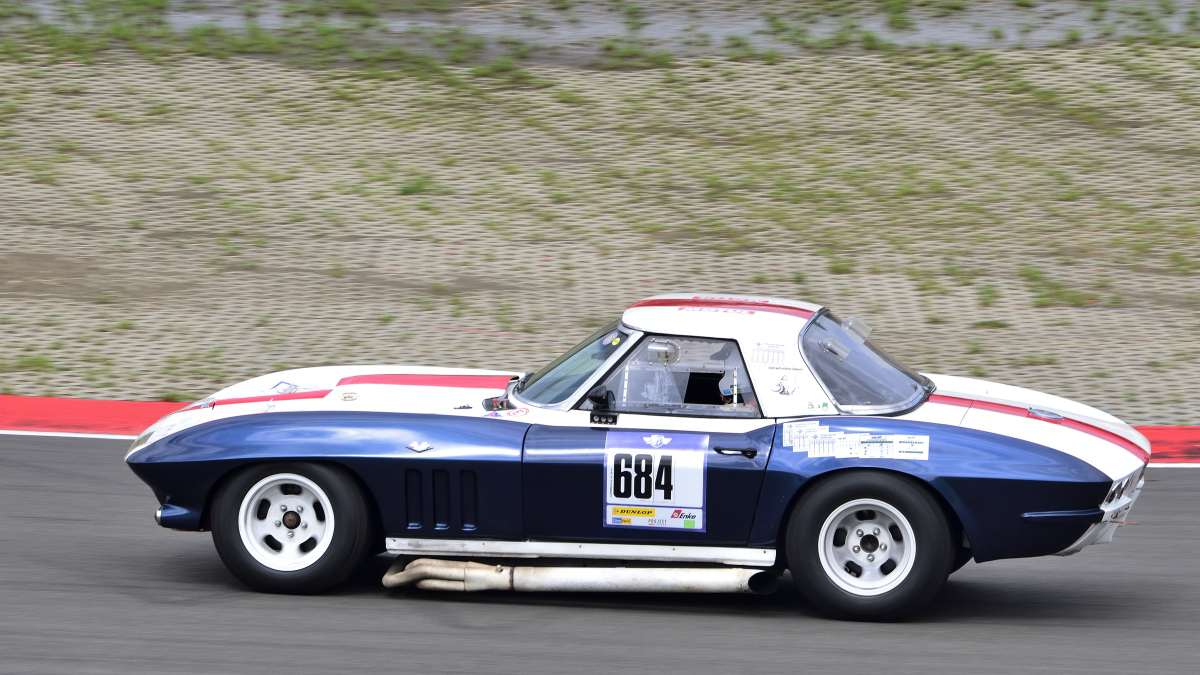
<point>88,584</point>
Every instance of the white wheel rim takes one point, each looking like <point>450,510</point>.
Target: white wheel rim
<point>870,558</point>
<point>295,505</point>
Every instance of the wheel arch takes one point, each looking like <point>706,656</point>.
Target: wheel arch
<point>230,472</point>
<point>952,517</point>
<point>185,468</point>
<point>984,482</point>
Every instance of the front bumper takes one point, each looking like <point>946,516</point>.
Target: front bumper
<point>1116,514</point>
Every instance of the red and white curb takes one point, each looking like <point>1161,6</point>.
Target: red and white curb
<point>1177,447</point>
<point>1173,447</point>
<point>79,417</point>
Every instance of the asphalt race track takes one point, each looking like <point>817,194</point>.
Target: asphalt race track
<point>88,583</point>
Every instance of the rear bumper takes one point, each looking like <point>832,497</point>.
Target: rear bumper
<point>1114,516</point>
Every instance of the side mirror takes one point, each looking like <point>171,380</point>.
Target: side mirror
<point>601,398</point>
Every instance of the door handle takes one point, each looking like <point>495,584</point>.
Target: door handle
<point>748,453</point>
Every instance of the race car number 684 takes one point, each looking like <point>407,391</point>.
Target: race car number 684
<point>655,480</point>
<point>632,476</point>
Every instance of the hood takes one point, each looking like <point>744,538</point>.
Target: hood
<point>1079,430</point>
<point>409,389</point>
<point>394,388</point>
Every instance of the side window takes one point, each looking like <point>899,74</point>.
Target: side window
<point>683,376</point>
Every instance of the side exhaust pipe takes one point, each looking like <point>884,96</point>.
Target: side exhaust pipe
<point>456,575</point>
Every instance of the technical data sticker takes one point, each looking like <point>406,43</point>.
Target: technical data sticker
<point>911,447</point>
<point>819,441</point>
<point>655,481</point>
<point>794,433</point>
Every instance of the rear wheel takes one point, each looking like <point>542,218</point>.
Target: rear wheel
<point>869,545</point>
<point>290,527</point>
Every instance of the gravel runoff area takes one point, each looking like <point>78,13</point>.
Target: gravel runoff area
<point>1030,216</point>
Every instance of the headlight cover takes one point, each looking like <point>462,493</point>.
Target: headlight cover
<point>164,427</point>
<point>156,431</point>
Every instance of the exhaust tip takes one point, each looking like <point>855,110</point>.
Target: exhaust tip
<point>763,583</point>
<point>158,516</point>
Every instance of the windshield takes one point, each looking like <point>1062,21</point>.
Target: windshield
<point>554,383</point>
<point>860,377</point>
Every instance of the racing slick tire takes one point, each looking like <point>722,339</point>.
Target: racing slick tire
<point>291,527</point>
<point>869,546</point>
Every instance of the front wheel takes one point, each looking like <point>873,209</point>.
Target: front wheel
<point>868,545</point>
<point>290,527</point>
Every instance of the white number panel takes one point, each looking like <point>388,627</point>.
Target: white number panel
<point>655,481</point>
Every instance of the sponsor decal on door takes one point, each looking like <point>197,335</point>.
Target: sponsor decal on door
<point>655,481</point>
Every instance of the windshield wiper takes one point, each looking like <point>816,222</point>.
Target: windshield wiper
<point>520,386</point>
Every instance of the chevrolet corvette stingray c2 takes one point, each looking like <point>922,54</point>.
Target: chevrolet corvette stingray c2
<point>699,443</point>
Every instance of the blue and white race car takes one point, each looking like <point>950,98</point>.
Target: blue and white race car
<point>700,443</point>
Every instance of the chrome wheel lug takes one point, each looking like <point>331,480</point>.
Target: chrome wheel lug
<point>859,532</point>
<point>876,532</point>
<point>278,523</point>
<point>883,547</point>
<point>290,534</point>
<point>856,549</point>
<point>283,507</point>
<point>300,509</point>
<point>305,524</point>
<point>870,558</point>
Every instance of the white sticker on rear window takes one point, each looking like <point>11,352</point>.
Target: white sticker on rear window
<point>655,481</point>
<point>819,441</point>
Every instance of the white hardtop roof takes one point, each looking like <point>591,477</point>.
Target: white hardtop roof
<point>719,316</point>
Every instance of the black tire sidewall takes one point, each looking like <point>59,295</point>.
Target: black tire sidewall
<point>934,552</point>
<point>346,549</point>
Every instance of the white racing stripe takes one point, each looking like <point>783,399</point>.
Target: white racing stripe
<point>67,434</point>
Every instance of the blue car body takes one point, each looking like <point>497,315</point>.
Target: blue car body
<point>450,455</point>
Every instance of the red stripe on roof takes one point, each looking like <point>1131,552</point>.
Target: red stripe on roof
<point>1017,411</point>
<point>725,303</point>
<point>275,397</point>
<point>457,381</point>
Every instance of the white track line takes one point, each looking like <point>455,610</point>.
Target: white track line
<point>1176,465</point>
<point>67,434</point>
